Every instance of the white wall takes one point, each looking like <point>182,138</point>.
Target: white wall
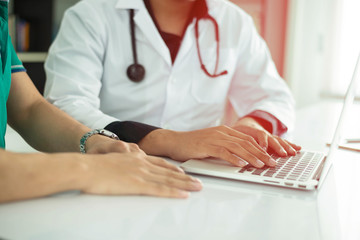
<point>310,41</point>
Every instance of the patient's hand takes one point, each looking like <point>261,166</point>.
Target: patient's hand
<point>102,144</point>
<point>135,174</point>
<point>265,139</point>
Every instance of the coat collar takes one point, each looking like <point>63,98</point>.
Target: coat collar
<point>130,4</point>
<point>146,25</point>
<point>201,8</point>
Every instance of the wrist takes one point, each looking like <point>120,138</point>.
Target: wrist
<point>160,142</point>
<point>250,122</point>
<point>90,138</point>
<point>94,141</point>
<point>72,169</point>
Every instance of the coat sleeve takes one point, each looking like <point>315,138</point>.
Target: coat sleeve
<point>256,84</point>
<point>74,66</point>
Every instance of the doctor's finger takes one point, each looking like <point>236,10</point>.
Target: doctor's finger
<point>247,151</point>
<point>243,136</point>
<point>264,157</point>
<point>163,163</point>
<point>226,155</point>
<point>236,154</point>
<point>261,153</point>
<point>288,148</point>
<point>296,147</point>
<point>276,146</point>
<point>262,139</point>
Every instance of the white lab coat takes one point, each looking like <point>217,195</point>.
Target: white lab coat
<point>86,69</point>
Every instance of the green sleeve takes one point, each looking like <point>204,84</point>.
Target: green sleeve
<point>16,64</point>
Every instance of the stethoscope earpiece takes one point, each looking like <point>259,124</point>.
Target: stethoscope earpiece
<point>136,72</point>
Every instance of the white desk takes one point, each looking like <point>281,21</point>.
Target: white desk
<point>224,209</point>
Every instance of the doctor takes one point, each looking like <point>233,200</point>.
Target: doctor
<point>159,73</point>
<point>124,170</point>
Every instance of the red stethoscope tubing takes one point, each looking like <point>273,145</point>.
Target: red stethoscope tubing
<point>217,38</point>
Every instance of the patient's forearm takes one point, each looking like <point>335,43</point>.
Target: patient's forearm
<point>41,124</point>
<point>25,176</point>
<point>51,130</point>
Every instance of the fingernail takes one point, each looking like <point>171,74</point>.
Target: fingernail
<point>196,180</point>
<point>283,152</point>
<point>272,162</point>
<point>242,163</point>
<point>265,149</point>
<point>196,185</point>
<point>183,194</point>
<point>259,163</point>
<point>180,170</point>
<point>292,151</point>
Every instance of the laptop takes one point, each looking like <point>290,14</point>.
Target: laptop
<point>306,170</point>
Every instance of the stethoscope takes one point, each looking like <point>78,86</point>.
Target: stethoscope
<point>136,71</point>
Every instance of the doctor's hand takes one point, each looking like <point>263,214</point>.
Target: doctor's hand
<point>102,144</point>
<point>135,174</point>
<point>265,139</point>
<point>219,142</point>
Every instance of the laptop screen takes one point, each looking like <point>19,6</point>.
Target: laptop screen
<point>349,98</point>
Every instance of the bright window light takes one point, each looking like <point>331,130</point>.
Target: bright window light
<point>348,46</point>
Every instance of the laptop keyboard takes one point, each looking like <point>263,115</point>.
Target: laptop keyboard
<point>295,168</point>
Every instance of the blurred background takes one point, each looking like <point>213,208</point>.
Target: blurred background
<point>314,44</point>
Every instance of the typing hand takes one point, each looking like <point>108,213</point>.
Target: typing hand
<point>219,142</point>
<point>136,174</point>
<point>266,140</point>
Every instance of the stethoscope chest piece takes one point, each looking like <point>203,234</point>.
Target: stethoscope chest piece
<point>136,72</point>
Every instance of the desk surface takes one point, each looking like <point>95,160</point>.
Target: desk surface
<point>224,209</point>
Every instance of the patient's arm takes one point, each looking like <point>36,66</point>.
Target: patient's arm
<point>24,176</point>
<point>48,129</point>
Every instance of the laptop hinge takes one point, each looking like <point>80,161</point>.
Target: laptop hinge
<point>319,170</point>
